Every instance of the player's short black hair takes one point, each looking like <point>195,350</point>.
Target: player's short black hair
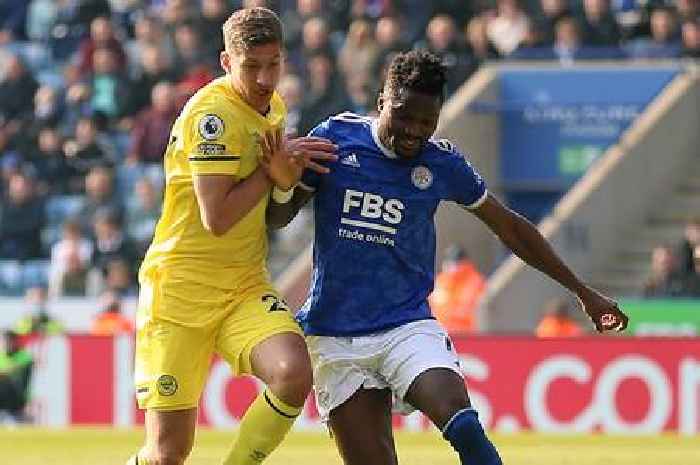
<point>419,71</point>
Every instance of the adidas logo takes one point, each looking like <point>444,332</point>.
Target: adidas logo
<point>351,160</point>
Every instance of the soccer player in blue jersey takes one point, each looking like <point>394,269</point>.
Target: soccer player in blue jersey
<point>369,329</point>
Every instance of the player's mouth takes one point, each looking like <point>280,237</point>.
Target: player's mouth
<point>408,145</point>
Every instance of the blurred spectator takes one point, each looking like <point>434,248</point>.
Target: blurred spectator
<point>691,240</point>
<point>48,110</point>
<point>458,288</point>
<point>70,262</point>
<point>13,18</point>
<point>359,53</point>
<point>41,16</point>
<point>111,243</point>
<point>120,279</point>
<point>315,40</point>
<point>176,12</point>
<point>325,93</point>
<point>442,39</point>
<point>21,220</point>
<point>691,284</point>
<point>151,132</point>
<point>16,93</point>
<point>691,39</point>
<point>148,33</point>
<point>293,20</point>
<point>552,12</point>
<point>508,28</point>
<point>142,213</point>
<point>214,14</point>
<point>15,376</point>
<point>190,51</point>
<point>36,319</point>
<point>77,103</point>
<point>388,37</point>
<point>688,10</point>
<point>110,87</point>
<point>480,46</point>
<point>99,197</point>
<point>291,90</point>
<point>154,67</point>
<point>568,46</point>
<point>87,150</point>
<point>599,25</point>
<point>665,279</point>
<point>663,42</point>
<point>102,37</point>
<point>110,321</point>
<point>557,321</point>
<point>52,170</point>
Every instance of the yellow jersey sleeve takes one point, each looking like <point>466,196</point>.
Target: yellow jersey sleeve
<point>213,143</point>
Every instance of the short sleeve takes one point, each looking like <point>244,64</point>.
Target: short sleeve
<point>310,179</point>
<point>467,187</point>
<point>213,143</point>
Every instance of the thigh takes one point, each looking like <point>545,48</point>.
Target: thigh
<point>362,428</point>
<point>260,315</point>
<point>414,349</point>
<point>170,433</point>
<point>171,359</point>
<point>439,393</point>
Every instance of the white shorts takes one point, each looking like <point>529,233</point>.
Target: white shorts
<point>386,360</point>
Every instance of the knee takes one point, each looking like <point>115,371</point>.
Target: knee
<point>292,379</point>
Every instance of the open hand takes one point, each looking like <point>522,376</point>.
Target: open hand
<point>603,311</point>
<point>284,160</point>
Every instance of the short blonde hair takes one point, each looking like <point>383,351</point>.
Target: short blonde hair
<point>250,27</point>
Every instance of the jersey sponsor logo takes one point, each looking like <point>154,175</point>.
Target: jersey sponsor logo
<point>378,215</point>
<point>208,149</point>
<point>167,385</point>
<point>422,177</point>
<point>350,160</point>
<point>211,127</point>
<point>373,207</point>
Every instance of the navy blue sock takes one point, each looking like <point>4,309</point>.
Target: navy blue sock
<point>468,438</point>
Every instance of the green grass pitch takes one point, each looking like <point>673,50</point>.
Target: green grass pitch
<point>77,446</point>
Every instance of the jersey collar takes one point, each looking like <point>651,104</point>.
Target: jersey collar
<point>375,136</point>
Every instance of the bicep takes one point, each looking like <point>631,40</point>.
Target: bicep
<point>499,218</point>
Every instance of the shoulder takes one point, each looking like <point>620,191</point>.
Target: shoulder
<point>210,99</point>
<point>443,151</point>
<point>343,124</point>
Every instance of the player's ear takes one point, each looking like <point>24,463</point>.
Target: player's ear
<point>225,61</point>
<point>380,100</point>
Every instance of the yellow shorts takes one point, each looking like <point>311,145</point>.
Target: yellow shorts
<point>181,325</point>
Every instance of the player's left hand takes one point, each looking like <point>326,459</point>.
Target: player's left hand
<point>284,160</point>
<point>603,311</point>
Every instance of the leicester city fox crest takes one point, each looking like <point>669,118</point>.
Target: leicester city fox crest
<point>422,177</point>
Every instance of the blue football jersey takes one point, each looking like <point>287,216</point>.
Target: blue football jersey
<point>374,244</point>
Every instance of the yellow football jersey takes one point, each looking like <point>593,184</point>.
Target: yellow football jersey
<point>216,133</point>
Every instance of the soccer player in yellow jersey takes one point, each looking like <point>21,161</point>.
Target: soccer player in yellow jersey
<point>204,284</point>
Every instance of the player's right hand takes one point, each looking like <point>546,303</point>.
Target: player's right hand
<point>284,160</point>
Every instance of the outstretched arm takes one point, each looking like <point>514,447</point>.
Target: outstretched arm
<point>278,215</point>
<point>523,238</point>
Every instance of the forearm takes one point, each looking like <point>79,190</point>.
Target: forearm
<point>237,202</point>
<point>279,215</point>
<point>527,243</point>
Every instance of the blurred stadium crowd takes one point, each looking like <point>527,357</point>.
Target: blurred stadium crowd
<point>90,88</point>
